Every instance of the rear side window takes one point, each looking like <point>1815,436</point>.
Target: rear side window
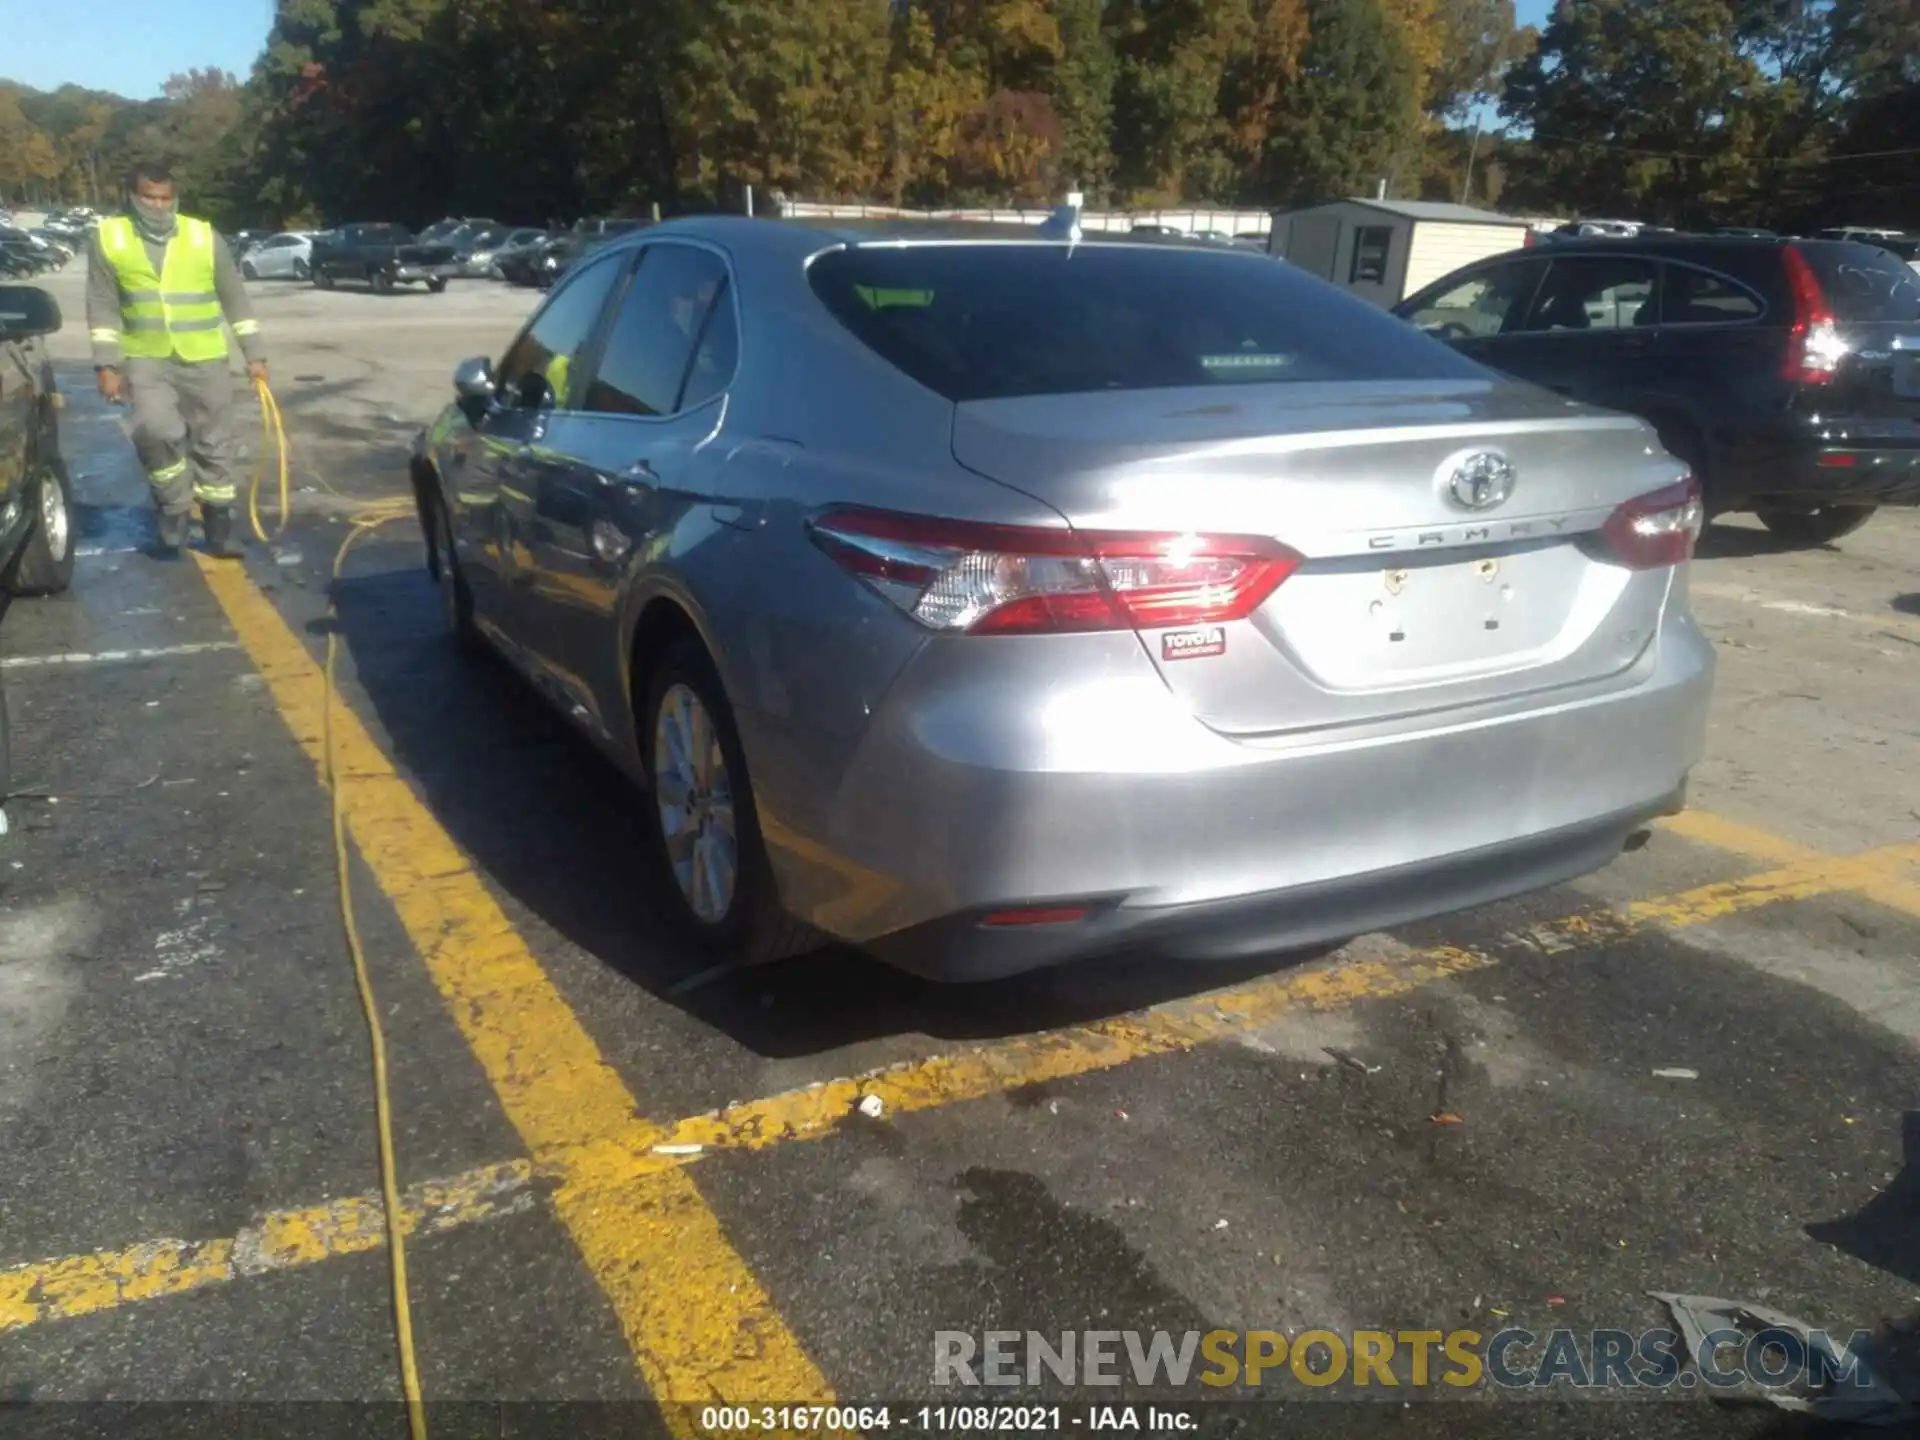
<point>993,321</point>
<point>1865,283</point>
<point>1698,297</point>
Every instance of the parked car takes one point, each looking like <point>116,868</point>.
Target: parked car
<point>1786,373</point>
<point>381,255</point>
<point>286,256</point>
<point>504,261</point>
<point>471,243</point>
<point>24,254</point>
<point>441,232</point>
<point>1213,610</point>
<point>582,240</point>
<point>36,496</point>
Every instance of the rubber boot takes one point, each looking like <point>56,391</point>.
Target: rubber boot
<point>174,527</point>
<point>218,523</point>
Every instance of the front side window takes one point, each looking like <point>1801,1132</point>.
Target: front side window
<point>1484,304</point>
<point>537,371</point>
<point>658,331</point>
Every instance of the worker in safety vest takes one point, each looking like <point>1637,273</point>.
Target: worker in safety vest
<point>159,286</point>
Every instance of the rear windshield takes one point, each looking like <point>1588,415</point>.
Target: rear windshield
<point>1865,283</point>
<point>381,235</point>
<point>991,321</point>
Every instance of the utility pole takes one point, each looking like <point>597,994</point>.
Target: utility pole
<point>1466,185</point>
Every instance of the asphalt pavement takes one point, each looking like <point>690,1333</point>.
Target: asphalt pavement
<point>627,1182</point>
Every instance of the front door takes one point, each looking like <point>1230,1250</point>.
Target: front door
<point>494,472</point>
<point>621,474</point>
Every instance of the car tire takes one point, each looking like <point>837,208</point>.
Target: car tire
<point>743,923</point>
<point>247,271</point>
<point>301,269</point>
<point>322,280</point>
<point>1813,524</point>
<point>436,285</point>
<point>456,599</point>
<point>44,565</point>
<point>381,282</point>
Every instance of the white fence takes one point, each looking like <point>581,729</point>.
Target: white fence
<point>1187,221</point>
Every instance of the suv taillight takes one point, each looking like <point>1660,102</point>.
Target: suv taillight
<point>1814,349</point>
<point>1658,528</point>
<point>964,577</point>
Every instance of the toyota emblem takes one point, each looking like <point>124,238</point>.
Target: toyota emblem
<point>1481,480</point>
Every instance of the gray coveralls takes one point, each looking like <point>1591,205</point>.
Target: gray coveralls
<point>184,428</point>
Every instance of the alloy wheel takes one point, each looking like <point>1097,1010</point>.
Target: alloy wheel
<point>694,794</point>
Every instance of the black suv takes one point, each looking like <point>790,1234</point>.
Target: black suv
<point>1786,373</point>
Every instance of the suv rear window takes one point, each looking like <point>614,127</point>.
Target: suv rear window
<point>1865,283</point>
<point>995,320</point>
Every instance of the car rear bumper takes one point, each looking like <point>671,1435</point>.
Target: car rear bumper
<point>426,272</point>
<point>1835,474</point>
<point>971,798</point>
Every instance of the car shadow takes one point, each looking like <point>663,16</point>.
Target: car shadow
<point>563,834</point>
<point>1907,604</point>
<point>1732,542</point>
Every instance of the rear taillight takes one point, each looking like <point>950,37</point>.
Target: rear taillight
<point>1814,349</point>
<point>961,576</point>
<point>1658,528</point>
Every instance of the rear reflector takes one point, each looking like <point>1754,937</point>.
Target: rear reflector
<point>1841,461</point>
<point>1040,915</point>
<point>1658,528</point>
<point>1814,348</point>
<point>965,577</point>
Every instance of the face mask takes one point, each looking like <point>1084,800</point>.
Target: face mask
<point>154,219</point>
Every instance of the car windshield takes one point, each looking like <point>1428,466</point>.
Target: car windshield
<point>1864,283</point>
<point>996,320</point>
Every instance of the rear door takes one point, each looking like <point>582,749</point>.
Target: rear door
<point>1588,331</point>
<point>617,470</point>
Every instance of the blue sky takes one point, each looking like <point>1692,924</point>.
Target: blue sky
<point>132,46</point>
<point>127,46</point>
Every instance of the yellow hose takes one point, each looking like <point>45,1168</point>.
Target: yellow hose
<point>375,514</point>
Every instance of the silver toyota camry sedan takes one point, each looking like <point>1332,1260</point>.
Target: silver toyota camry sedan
<point>988,604</point>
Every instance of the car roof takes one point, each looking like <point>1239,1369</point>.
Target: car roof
<point>800,238</point>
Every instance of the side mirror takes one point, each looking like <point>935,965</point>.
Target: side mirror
<point>27,311</point>
<point>473,387</point>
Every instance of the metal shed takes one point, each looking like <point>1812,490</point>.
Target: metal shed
<point>1384,250</point>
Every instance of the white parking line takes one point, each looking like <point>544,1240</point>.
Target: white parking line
<point>107,657</point>
<point>1748,596</point>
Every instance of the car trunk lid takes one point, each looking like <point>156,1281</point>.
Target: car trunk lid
<point>1408,599</point>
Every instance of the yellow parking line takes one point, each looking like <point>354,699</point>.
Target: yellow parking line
<point>56,1289</point>
<point>1880,874</point>
<point>1748,841</point>
<point>283,1240</point>
<point>700,1326</point>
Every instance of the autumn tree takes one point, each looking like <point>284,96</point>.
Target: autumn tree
<point>1352,118</point>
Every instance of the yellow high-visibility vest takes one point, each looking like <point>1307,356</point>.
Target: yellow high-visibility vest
<point>176,312</point>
